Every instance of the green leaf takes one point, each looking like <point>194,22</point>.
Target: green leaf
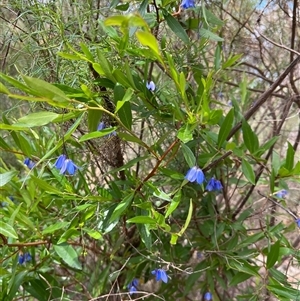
<point>44,89</point>
<point>188,155</point>
<point>266,146</point>
<point>3,89</point>
<point>128,137</point>
<point>7,230</point>
<point>69,56</point>
<point>45,185</point>
<point>174,203</point>
<point>273,254</point>
<point>290,154</point>
<point>87,52</point>
<point>250,138</point>
<point>185,133</point>
<point>148,39</point>
<point>93,233</point>
<point>204,33</point>
<point>248,171</point>
<point>226,127</point>
<point>122,206</point>
<point>68,255</point>
<point>13,127</point>
<point>97,134</point>
<point>284,292</point>
<point>6,177</point>
<point>55,227</point>
<point>243,266</point>
<point>126,115</point>
<point>105,66</point>
<point>116,21</point>
<point>188,219</point>
<point>213,19</point>
<point>126,97</point>
<point>231,61</point>
<point>15,83</point>
<point>238,278</point>
<point>176,27</point>
<point>37,119</point>
<point>142,220</point>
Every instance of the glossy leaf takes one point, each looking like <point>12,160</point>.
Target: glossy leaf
<point>225,128</point>
<point>7,230</point>
<point>250,138</point>
<point>67,253</point>
<point>248,171</point>
<point>176,27</point>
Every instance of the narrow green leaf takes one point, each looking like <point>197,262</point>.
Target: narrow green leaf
<point>69,56</point>
<point>97,134</point>
<point>13,127</point>
<point>290,154</point>
<point>68,255</point>
<point>226,127</point>
<point>6,177</point>
<point>250,138</point>
<point>142,220</point>
<point>128,137</point>
<point>3,89</point>
<point>185,133</point>
<point>87,52</point>
<point>44,89</point>
<point>188,219</point>
<point>45,186</point>
<point>126,115</point>
<point>273,254</point>
<point>126,97</point>
<point>176,27</point>
<point>284,292</point>
<point>248,171</point>
<point>122,206</point>
<point>15,83</point>
<point>188,155</point>
<point>205,33</point>
<point>115,21</point>
<point>238,278</point>
<point>7,230</point>
<point>148,39</point>
<point>174,204</point>
<point>55,227</point>
<point>37,119</point>
<point>266,146</point>
<point>243,266</point>
<point>105,66</point>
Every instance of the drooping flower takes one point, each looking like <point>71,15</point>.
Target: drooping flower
<point>132,286</point>
<point>29,163</point>
<point>298,222</point>
<point>208,296</point>
<point>101,126</point>
<point>23,258</point>
<point>214,184</point>
<point>187,4</point>
<point>150,86</point>
<point>282,193</point>
<point>195,174</point>
<point>68,166</point>
<point>160,274</point>
<point>60,161</point>
<point>65,165</point>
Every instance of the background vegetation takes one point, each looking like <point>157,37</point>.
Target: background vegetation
<point>226,101</point>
